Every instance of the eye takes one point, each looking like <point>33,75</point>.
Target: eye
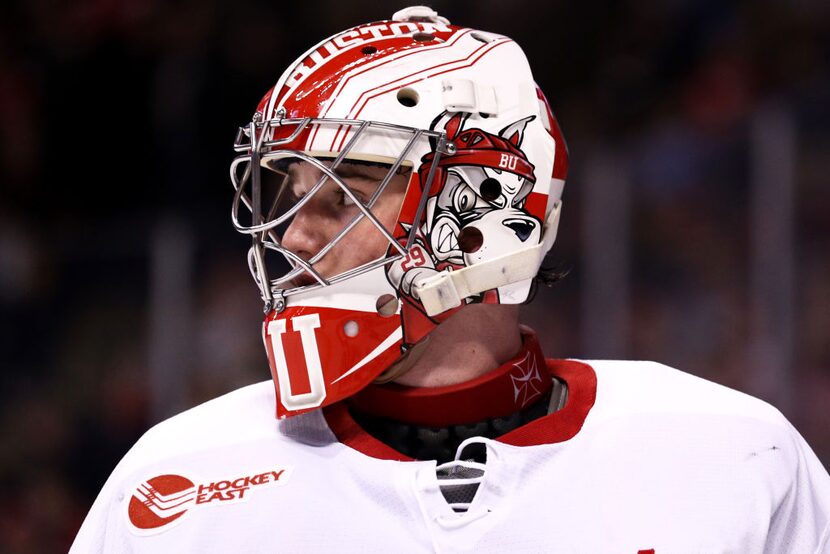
<point>345,200</point>
<point>463,199</point>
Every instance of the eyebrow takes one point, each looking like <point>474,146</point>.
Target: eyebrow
<point>348,169</point>
<point>357,169</point>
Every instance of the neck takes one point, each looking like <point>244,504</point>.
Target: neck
<point>474,341</point>
<point>501,393</point>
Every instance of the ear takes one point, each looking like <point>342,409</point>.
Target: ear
<point>515,131</point>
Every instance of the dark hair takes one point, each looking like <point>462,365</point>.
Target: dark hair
<point>548,275</point>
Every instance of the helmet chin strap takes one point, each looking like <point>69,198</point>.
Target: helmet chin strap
<point>448,289</point>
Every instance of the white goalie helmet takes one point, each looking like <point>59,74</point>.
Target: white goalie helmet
<point>397,171</point>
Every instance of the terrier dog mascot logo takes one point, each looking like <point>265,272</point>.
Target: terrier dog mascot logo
<point>475,212</point>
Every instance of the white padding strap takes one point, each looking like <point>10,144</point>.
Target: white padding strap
<point>448,289</point>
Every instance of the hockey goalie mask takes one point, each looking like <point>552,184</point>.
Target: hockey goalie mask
<point>396,172</point>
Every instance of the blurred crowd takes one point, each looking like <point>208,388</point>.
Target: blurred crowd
<point>116,121</point>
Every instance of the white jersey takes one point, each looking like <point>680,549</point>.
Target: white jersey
<point>642,458</point>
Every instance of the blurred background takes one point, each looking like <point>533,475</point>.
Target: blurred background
<point>696,223</point>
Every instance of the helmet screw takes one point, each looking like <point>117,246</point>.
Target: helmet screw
<point>351,328</point>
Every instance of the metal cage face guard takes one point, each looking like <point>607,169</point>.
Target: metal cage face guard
<point>456,108</point>
<point>271,209</point>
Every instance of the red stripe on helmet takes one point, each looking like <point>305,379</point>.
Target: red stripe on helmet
<point>486,48</point>
<point>315,79</point>
<point>560,159</point>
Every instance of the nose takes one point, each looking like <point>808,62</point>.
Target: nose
<point>304,236</point>
<point>523,229</point>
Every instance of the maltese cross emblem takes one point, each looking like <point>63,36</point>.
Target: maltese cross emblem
<point>525,384</point>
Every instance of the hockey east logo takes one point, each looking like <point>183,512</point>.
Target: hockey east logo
<point>158,502</point>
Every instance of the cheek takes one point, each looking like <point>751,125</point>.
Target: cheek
<point>366,241</point>
<point>387,212</point>
<point>363,244</point>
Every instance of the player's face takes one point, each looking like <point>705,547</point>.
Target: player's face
<point>330,210</point>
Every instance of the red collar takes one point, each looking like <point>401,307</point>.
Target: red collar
<point>556,427</point>
<point>504,391</point>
